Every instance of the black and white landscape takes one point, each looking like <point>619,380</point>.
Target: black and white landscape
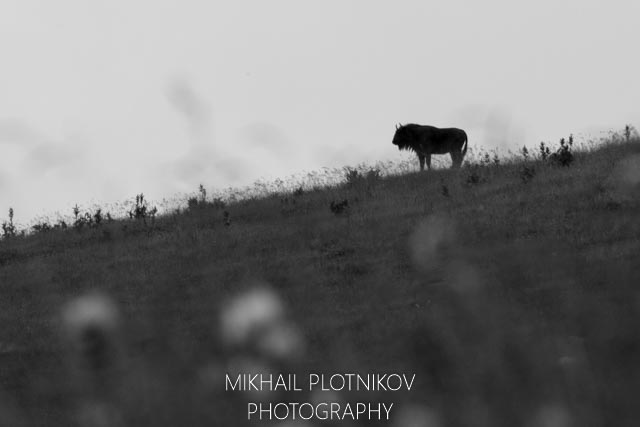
<point>216,214</point>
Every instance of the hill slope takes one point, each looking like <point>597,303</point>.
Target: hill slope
<point>511,291</point>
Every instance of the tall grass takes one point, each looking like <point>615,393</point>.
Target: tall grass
<point>514,300</point>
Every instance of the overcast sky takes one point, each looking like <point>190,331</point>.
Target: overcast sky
<point>101,100</point>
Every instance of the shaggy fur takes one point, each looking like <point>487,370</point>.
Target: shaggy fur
<point>428,140</point>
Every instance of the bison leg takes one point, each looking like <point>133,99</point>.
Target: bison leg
<point>456,159</point>
<point>421,159</point>
<point>428,156</point>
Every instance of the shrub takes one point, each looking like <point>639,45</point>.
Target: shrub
<point>8,228</point>
<point>140,210</point>
<point>81,220</point>
<point>630,132</point>
<point>356,177</point>
<point>545,152</point>
<point>352,176</point>
<point>563,156</point>
<point>41,227</point>
<point>203,193</point>
<point>97,217</point>
<point>192,203</point>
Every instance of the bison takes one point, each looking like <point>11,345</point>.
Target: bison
<point>428,140</point>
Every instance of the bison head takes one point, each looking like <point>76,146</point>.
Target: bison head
<point>403,137</point>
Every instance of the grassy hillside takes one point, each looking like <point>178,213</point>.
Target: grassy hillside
<point>510,290</point>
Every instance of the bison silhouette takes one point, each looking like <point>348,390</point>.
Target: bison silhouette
<point>428,140</point>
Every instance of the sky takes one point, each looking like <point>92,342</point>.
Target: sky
<point>100,101</point>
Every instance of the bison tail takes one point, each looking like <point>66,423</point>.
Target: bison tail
<point>464,146</point>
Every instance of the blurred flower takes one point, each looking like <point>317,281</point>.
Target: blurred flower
<point>92,310</point>
<point>256,319</point>
<point>90,324</point>
<point>253,311</point>
<point>281,340</point>
<point>431,242</point>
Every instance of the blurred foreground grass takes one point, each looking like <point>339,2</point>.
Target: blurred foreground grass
<point>510,290</point>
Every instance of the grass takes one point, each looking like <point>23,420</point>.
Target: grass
<point>509,288</point>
